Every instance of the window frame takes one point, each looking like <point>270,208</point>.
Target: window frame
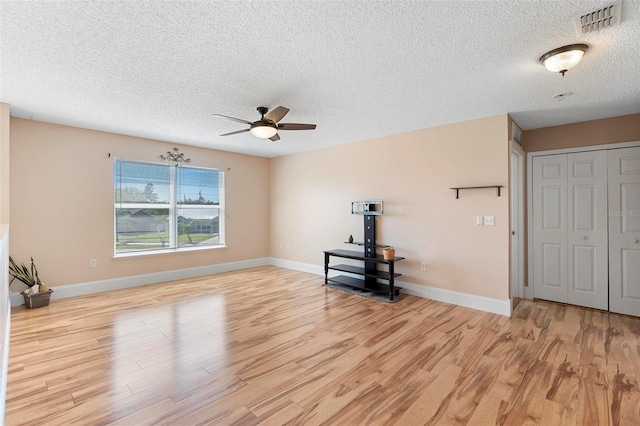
<point>173,207</point>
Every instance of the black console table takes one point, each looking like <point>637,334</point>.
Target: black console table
<point>371,275</point>
<point>369,272</point>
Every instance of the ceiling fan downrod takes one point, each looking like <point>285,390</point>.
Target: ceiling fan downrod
<point>262,111</point>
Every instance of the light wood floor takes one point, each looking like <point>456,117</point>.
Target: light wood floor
<point>273,346</point>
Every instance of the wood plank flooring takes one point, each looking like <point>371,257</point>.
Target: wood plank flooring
<point>272,346</point>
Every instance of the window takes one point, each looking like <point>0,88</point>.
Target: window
<point>167,207</point>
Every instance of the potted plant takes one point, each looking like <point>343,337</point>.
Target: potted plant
<point>37,294</point>
<point>389,253</point>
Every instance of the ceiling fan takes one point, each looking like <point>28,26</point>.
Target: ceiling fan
<point>269,125</point>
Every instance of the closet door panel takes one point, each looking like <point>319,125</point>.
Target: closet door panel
<point>624,230</point>
<point>550,227</point>
<point>587,262</point>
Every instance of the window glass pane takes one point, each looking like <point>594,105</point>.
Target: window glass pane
<point>167,207</point>
<point>198,226</point>
<point>142,183</point>
<point>198,186</point>
<point>141,229</point>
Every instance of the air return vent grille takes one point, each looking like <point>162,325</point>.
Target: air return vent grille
<point>599,19</point>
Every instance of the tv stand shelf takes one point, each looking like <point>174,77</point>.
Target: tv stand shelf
<point>358,270</point>
<point>372,279</point>
<point>371,275</point>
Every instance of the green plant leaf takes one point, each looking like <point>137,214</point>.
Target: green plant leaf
<point>22,273</point>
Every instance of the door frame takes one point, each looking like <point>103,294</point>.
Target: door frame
<point>528,290</point>
<point>517,290</point>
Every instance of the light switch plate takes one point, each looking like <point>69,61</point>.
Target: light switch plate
<point>489,220</point>
<point>479,220</point>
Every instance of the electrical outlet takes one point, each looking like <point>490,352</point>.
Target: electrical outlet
<point>490,220</point>
<point>423,267</point>
<point>288,247</point>
<point>93,263</point>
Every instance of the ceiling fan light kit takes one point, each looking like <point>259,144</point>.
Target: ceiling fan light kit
<point>563,58</point>
<point>268,126</point>
<point>263,130</point>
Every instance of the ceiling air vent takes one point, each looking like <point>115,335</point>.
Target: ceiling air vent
<point>599,19</point>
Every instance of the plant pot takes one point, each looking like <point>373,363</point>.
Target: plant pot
<point>38,300</point>
<point>389,254</point>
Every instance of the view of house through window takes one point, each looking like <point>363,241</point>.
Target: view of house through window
<point>161,207</point>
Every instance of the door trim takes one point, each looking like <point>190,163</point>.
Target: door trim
<point>528,290</point>
<point>519,152</point>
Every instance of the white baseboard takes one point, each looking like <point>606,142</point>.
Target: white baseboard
<point>473,301</point>
<point>297,266</point>
<point>482,303</point>
<point>81,289</point>
<point>487,304</point>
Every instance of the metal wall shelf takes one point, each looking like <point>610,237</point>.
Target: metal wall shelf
<point>457,189</point>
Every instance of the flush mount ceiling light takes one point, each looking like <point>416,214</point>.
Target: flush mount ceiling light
<point>563,58</point>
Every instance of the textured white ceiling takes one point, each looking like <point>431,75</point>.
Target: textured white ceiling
<point>359,70</point>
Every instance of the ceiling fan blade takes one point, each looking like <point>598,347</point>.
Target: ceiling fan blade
<point>239,120</point>
<point>236,132</point>
<point>296,126</point>
<point>277,114</point>
<point>275,137</point>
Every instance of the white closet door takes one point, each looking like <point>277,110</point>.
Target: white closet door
<point>550,227</point>
<point>624,230</point>
<point>587,256</point>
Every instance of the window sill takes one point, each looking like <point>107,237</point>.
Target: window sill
<point>164,252</point>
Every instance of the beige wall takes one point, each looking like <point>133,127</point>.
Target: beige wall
<point>62,203</point>
<point>625,128</point>
<point>5,121</point>
<point>311,196</point>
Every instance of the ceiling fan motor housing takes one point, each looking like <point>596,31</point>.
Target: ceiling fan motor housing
<point>264,123</point>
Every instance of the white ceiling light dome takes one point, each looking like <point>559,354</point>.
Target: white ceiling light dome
<point>563,58</point>
<point>263,130</point>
